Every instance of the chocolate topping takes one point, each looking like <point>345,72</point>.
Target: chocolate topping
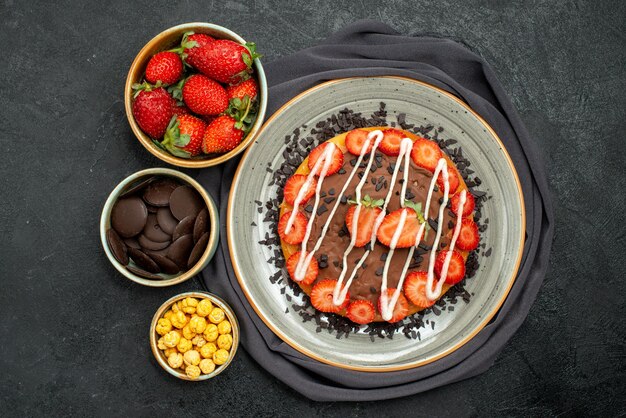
<point>128,216</point>
<point>185,201</point>
<point>336,241</point>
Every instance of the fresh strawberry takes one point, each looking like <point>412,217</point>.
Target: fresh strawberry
<point>468,237</point>
<point>192,45</point>
<point>165,67</point>
<point>297,231</point>
<point>355,140</point>
<point>361,311</point>
<point>415,289</point>
<point>468,207</point>
<point>311,270</point>
<point>152,109</point>
<point>221,135</point>
<point>400,311</point>
<point>456,269</point>
<point>293,186</point>
<point>226,61</point>
<point>322,297</point>
<point>370,209</point>
<point>337,158</point>
<point>453,180</point>
<point>204,96</point>
<point>179,108</point>
<point>243,89</point>
<point>392,138</point>
<point>409,231</point>
<point>426,154</point>
<point>184,135</point>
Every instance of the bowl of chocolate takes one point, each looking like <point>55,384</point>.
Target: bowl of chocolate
<point>159,227</point>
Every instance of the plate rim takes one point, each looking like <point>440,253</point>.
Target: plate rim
<point>487,318</point>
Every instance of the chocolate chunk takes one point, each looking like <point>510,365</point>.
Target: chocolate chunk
<point>180,249</point>
<point>133,243</point>
<point>184,227</point>
<point>201,224</point>
<point>143,261</point>
<point>128,216</point>
<point>143,273</point>
<point>153,231</point>
<point>198,250</point>
<point>166,220</point>
<point>158,193</point>
<point>117,246</point>
<point>148,244</point>
<point>185,201</point>
<point>167,266</point>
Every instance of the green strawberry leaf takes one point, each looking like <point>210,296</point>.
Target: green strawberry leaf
<point>251,46</point>
<point>182,140</point>
<point>417,207</point>
<point>179,152</point>
<point>176,90</point>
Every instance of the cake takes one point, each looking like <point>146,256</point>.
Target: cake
<point>376,224</point>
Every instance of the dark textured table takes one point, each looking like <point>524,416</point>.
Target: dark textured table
<point>74,332</point>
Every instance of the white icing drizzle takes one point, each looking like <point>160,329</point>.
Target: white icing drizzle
<point>303,261</point>
<point>430,294</point>
<point>340,291</point>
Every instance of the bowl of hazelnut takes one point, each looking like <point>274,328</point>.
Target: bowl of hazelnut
<point>194,335</point>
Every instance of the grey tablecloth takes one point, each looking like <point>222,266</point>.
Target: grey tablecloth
<point>368,48</point>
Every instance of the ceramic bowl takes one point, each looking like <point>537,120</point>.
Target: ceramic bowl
<point>126,184</point>
<point>166,40</point>
<point>160,356</point>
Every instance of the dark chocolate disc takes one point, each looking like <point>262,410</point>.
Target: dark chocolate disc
<point>202,224</point>
<point>185,201</point>
<point>152,209</point>
<point>148,244</point>
<point>184,227</point>
<point>166,220</point>
<point>180,249</point>
<point>143,261</point>
<point>167,265</point>
<point>143,273</point>
<point>162,252</point>
<point>153,231</point>
<point>138,186</point>
<point>133,243</point>
<point>198,250</point>
<point>158,192</point>
<point>117,247</point>
<point>128,216</point>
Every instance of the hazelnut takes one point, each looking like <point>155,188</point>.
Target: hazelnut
<point>224,327</point>
<point>216,316</point>
<point>225,341</point>
<point>211,332</point>
<point>220,356</point>
<point>204,307</point>
<point>207,366</point>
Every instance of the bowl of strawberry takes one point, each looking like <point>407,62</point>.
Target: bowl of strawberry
<point>196,95</point>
